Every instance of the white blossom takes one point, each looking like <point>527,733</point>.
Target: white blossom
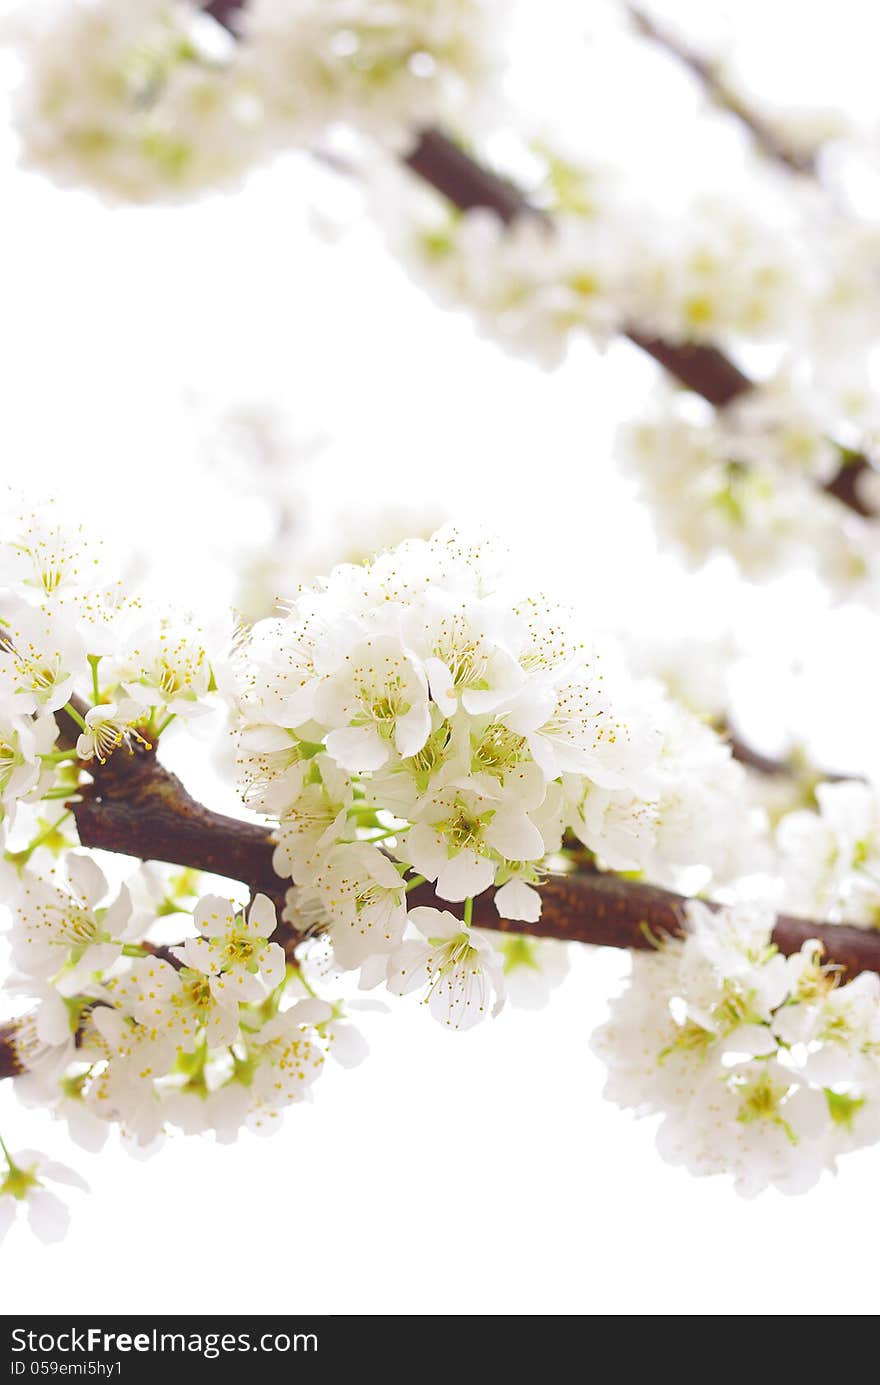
<point>711,487</point>
<point>761,1066</point>
<point>43,558</point>
<point>169,662</point>
<point>690,790</point>
<point>719,270</point>
<point>126,1058</point>
<point>223,1111</point>
<point>23,740</point>
<point>830,859</point>
<point>182,1005</point>
<point>533,968</point>
<point>109,726</point>
<point>364,895</point>
<point>289,1060</point>
<point>385,66</point>
<point>424,702</point>
<point>314,820</point>
<point>233,949</point>
<point>345,1043</point>
<point>23,1186</point>
<point>139,99</point>
<point>461,836</point>
<point>56,928</point>
<point>41,656</point>
<point>377,703</point>
<point>531,286</point>
<point>458,968</point>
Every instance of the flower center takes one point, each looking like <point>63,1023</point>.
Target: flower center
<point>464,829</point>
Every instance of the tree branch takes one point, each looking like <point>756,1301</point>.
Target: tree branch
<point>142,810</point>
<point>792,766</point>
<point>712,81</point>
<point>468,185</point>
<point>701,368</point>
<point>224,11</point>
<point>465,183</point>
<point>138,808</point>
<point>160,821</point>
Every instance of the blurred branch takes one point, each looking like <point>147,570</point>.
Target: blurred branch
<point>224,11</point>
<point>468,185</point>
<point>465,183</point>
<point>794,765</point>
<point>758,762</point>
<point>711,79</point>
<point>844,485</point>
<point>703,369</point>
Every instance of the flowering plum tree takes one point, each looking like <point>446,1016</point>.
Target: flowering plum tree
<point>446,777</point>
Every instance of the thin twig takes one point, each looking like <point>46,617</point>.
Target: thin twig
<point>711,79</point>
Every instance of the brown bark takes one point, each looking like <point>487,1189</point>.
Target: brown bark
<point>464,182</point>
<point>138,808</point>
<point>844,485</point>
<point>703,369</point>
<point>158,820</point>
<point>224,11</point>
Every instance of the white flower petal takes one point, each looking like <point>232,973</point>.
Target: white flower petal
<point>358,749</point>
<point>48,1216</point>
<point>261,916</point>
<point>517,900</point>
<point>86,877</point>
<point>515,836</point>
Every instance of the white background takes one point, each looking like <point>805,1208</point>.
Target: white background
<point>477,1173</point>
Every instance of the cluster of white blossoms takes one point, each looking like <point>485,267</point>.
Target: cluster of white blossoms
<point>749,480</point>
<point>829,860</point>
<point>146,100</point>
<point>422,718</point>
<point>384,67</point>
<point>534,284</point>
<point>150,98</point>
<point>113,1026</point>
<point>140,100</point>
<point>70,629</point>
<point>199,1036</point>
<point>596,258</point>
<point>762,1066</point>
<point>531,286</point>
<point>147,1004</point>
<point>427,740</point>
<point>717,273</point>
